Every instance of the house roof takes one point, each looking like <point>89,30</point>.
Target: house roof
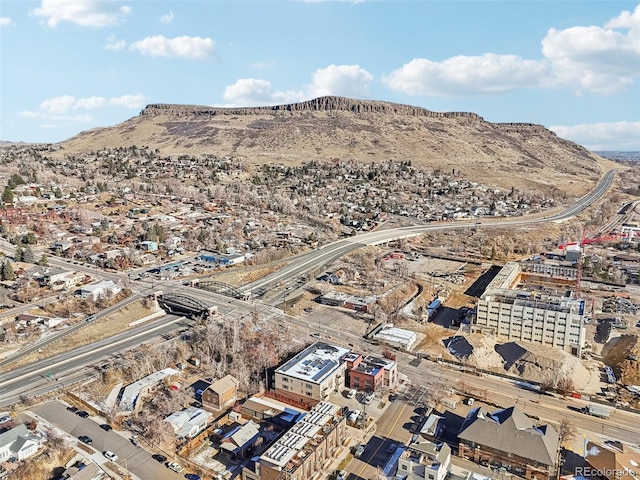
<point>511,431</point>
<point>224,384</point>
<point>10,436</point>
<point>240,436</point>
<point>620,463</point>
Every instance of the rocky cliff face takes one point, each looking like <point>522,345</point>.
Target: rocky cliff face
<point>504,154</point>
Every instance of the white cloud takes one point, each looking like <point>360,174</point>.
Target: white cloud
<point>179,47</point>
<point>90,103</point>
<point>466,75</point>
<point>624,136</point>
<point>129,101</point>
<point>86,13</point>
<point>601,60</point>
<point>60,104</point>
<point>6,22</point>
<point>344,80</point>
<point>168,18</point>
<point>114,44</point>
<point>251,92</point>
<point>263,65</point>
<point>66,103</point>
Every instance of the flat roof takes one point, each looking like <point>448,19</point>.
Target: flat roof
<point>315,363</point>
<point>294,440</point>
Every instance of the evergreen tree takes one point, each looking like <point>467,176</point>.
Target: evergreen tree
<point>19,254</point>
<point>6,272</point>
<point>7,195</point>
<point>43,262</point>
<point>28,256</point>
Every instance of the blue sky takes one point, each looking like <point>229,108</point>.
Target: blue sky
<point>572,66</point>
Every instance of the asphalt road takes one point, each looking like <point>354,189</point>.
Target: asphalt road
<point>136,460</point>
<point>63,369</point>
<point>329,253</point>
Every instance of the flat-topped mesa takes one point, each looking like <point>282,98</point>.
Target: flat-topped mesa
<point>321,104</point>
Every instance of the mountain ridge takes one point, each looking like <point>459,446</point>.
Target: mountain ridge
<point>522,155</point>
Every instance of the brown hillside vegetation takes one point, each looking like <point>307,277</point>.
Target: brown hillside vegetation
<point>501,154</point>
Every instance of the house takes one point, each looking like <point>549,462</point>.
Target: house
<point>189,422</point>
<point>240,439</point>
<point>19,443</point>
<point>134,391</point>
<point>510,439</point>
<point>220,394</point>
<point>424,460</point>
<point>100,289</point>
<point>611,461</point>
<point>272,411</point>
<point>52,276</point>
<point>149,246</point>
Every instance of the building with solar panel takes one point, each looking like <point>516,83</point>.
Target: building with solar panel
<point>313,374</point>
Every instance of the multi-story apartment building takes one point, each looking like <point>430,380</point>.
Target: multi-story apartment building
<point>305,449</point>
<point>370,374</point>
<point>530,316</point>
<point>508,438</point>
<point>312,375</point>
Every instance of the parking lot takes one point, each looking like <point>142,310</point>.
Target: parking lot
<point>134,459</point>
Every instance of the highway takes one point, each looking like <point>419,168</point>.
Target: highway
<point>66,368</point>
<point>33,379</point>
<point>328,253</point>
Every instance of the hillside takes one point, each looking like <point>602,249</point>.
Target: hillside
<point>501,154</point>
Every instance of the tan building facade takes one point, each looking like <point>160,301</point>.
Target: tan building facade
<point>305,449</point>
<point>220,394</point>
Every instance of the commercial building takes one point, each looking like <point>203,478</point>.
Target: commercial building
<point>508,438</point>
<point>224,259</point>
<point>397,337</point>
<point>370,374</point>
<point>351,302</point>
<point>312,375</point>
<point>530,316</point>
<point>304,450</point>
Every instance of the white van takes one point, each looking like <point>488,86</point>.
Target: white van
<point>470,401</point>
<point>352,393</point>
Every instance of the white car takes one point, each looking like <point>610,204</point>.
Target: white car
<point>351,393</point>
<point>110,456</point>
<point>368,397</point>
<point>342,475</point>
<point>176,467</point>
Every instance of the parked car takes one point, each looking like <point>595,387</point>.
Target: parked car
<point>192,476</point>
<point>82,413</point>
<point>341,475</point>
<point>85,439</point>
<point>106,427</point>
<point>108,454</point>
<point>392,448</point>
<point>314,335</point>
<point>175,466</point>
<point>72,409</point>
<point>159,458</point>
<point>134,439</point>
<point>359,451</point>
<point>352,393</point>
<point>368,398</point>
